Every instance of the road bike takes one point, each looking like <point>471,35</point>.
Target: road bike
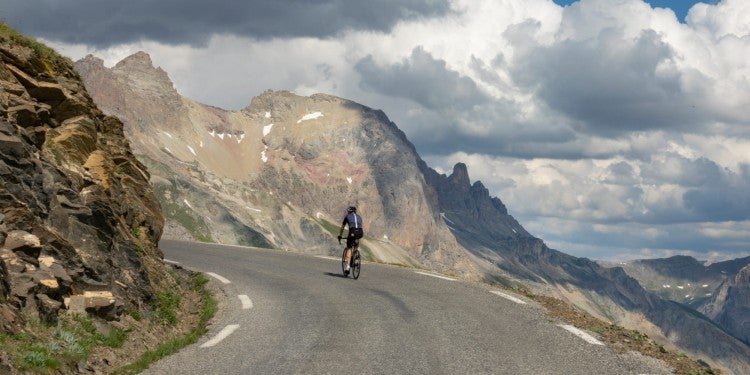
<point>356,262</point>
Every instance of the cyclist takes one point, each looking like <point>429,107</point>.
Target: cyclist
<point>354,222</point>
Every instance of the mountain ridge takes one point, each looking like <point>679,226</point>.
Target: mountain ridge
<point>296,161</point>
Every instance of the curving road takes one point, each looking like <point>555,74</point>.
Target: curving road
<point>287,313</point>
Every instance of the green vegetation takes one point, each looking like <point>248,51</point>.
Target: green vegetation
<point>51,60</point>
<point>165,307</point>
<point>332,228</point>
<point>179,213</point>
<point>366,253</point>
<point>47,349</point>
<point>170,347</point>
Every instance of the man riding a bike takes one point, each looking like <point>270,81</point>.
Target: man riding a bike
<point>354,222</point>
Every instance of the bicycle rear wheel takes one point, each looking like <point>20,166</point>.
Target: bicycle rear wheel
<point>343,264</point>
<point>356,264</point>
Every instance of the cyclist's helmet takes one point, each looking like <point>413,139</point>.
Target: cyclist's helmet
<point>351,209</point>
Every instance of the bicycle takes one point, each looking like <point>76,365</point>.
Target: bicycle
<point>356,262</point>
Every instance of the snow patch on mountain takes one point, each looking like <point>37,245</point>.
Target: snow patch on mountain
<point>267,129</point>
<point>310,116</point>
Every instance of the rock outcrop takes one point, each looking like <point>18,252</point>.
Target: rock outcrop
<point>78,219</point>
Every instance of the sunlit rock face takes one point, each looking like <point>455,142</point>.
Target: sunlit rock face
<point>280,172</point>
<point>77,211</point>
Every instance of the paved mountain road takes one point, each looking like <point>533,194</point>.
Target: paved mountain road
<point>307,319</point>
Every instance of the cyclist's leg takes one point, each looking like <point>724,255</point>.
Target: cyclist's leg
<point>350,243</point>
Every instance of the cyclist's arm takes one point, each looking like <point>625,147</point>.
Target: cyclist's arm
<point>343,224</point>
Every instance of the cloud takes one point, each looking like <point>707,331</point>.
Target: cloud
<point>606,125</point>
<point>611,86</point>
<point>724,200</point>
<point>423,79</point>
<point>106,23</point>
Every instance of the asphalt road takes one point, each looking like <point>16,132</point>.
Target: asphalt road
<point>288,313</point>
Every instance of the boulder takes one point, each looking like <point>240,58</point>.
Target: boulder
<point>25,245</point>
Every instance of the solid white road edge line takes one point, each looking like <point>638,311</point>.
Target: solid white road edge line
<point>588,338</point>
<point>247,303</point>
<point>170,261</point>
<point>221,336</point>
<point>509,297</point>
<point>220,278</point>
<point>433,275</point>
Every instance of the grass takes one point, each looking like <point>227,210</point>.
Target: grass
<point>52,348</point>
<point>165,307</point>
<point>170,347</point>
<point>172,210</point>
<point>51,60</point>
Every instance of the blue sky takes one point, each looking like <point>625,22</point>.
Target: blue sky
<point>680,7</point>
<point>609,128</point>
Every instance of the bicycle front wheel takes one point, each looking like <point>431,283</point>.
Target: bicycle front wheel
<point>356,264</point>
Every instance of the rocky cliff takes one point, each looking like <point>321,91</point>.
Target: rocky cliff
<point>730,305</point>
<point>716,290</point>
<point>280,172</point>
<point>79,224</point>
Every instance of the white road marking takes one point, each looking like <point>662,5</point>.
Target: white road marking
<point>247,303</point>
<point>509,297</point>
<point>221,336</point>
<point>433,275</point>
<point>327,257</point>
<point>588,338</point>
<point>220,278</point>
<point>170,261</point>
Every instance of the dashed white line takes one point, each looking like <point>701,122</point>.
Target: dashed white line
<point>247,303</point>
<point>588,338</point>
<point>221,335</point>
<point>220,278</point>
<point>170,261</point>
<point>509,297</point>
<point>433,275</point>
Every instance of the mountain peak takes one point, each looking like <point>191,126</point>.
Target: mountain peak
<point>460,175</point>
<point>139,58</point>
<point>139,66</point>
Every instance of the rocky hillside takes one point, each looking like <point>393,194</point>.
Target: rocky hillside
<point>730,305</point>
<point>280,172</point>
<point>718,290</point>
<point>79,223</point>
<point>509,255</point>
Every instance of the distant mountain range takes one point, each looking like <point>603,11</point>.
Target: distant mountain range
<point>721,291</point>
<point>279,173</point>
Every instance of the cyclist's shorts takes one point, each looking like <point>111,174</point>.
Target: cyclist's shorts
<point>354,236</point>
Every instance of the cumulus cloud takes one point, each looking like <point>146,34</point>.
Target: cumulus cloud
<point>605,126</point>
<point>107,23</point>
<point>423,79</point>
